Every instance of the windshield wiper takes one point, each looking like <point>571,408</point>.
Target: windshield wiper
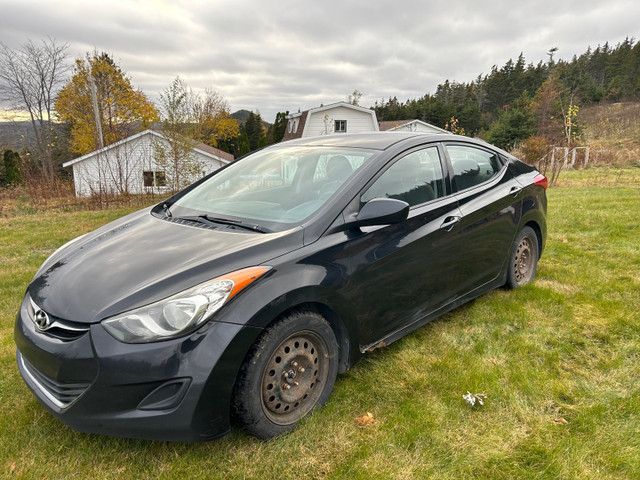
<point>210,221</point>
<point>237,223</point>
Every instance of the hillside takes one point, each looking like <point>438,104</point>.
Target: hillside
<point>612,132</point>
<point>241,117</point>
<point>15,134</point>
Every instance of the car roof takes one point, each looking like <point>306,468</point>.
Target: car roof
<point>371,140</point>
<point>384,140</point>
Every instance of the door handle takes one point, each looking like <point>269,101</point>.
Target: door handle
<point>515,190</point>
<point>449,223</point>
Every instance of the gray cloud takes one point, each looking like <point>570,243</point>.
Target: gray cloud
<point>284,55</point>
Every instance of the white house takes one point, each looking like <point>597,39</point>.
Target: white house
<point>340,117</point>
<point>343,117</point>
<point>409,126</point>
<point>130,166</point>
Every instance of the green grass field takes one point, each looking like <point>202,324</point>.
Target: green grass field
<point>559,361</point>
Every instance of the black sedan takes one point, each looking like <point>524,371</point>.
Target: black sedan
<point>243,296</point>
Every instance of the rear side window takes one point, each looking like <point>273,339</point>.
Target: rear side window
<point>416,178</point>
<point>472,166</point>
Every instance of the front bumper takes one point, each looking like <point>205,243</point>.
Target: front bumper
<point>176,390</point>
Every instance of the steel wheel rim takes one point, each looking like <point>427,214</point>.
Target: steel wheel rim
<point>294,377</point>
<point>524,261</point>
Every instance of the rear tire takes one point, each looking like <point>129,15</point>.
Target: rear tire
<point>288,373</point>
<point>524,259</point>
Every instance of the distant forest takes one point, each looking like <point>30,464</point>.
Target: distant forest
<point>518,99</point>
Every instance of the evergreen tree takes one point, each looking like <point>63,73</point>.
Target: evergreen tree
<point>516,123</point>
<point>12,172</point>
<point>254,130</point>
<point>277,130</point>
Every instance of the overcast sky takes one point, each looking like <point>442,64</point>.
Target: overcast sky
<point>274,56</point>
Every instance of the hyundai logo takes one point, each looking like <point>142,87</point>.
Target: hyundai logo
<point>42,320</point>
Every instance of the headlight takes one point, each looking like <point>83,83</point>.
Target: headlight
<point>182,312</point>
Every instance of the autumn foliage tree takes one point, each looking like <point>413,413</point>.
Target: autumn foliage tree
<point>211,117</point>
<point>101,105</point>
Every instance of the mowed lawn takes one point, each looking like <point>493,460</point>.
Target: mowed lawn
<point>559,361</point>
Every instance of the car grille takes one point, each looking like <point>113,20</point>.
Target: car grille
<point>61,394</point>
<point>63,332</point>
<point>57,327</point>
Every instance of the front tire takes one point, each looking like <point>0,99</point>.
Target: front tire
<point>524,259</point>
<point>289,372</point>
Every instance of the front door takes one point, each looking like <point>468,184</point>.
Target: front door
<point>402,272</point>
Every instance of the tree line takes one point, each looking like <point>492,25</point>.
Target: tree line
<point>75,109</point>
<point>518,100</point>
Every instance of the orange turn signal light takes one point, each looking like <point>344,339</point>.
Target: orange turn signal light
<point>244,277</point>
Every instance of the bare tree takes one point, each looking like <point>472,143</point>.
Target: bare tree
<point>30,79</point>
<point>181,110</point>
<point>354,98</point>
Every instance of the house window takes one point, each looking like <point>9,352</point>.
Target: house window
<point>161,179</point>
<point>154,179</point>
<point>340,126</point>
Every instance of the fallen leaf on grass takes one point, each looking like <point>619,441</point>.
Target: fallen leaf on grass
<point>365,419</point>
<point>560,420</point>
<point>12,469</point>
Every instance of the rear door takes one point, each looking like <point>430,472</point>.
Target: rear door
<point>489,198</point>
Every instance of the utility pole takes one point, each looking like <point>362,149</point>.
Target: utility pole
<point>550,53</point>
<point>96,113</point>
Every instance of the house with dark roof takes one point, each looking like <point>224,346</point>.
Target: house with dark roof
<point>343,117</point>
<point>339,117</point>
<point>130,166</point>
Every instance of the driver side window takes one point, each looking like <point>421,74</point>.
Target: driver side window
<point>416,178</point>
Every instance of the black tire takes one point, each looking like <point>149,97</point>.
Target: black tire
<point>524,259</point>
<point>288,373</point>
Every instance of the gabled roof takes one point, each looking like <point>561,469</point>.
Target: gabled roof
<point>305,115</point>
<point>388,125</point>
<point>398,124</point>
<point>202,148</point>
<point>221,154</point>
<point>338,104</point>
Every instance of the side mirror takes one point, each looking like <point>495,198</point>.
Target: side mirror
<point>381,211</point>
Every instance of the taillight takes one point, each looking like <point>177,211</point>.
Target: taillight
<point>541,181</point>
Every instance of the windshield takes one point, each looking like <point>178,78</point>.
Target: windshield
<point>282,185</point>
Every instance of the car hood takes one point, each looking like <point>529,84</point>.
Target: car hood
<point>140,259</point>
